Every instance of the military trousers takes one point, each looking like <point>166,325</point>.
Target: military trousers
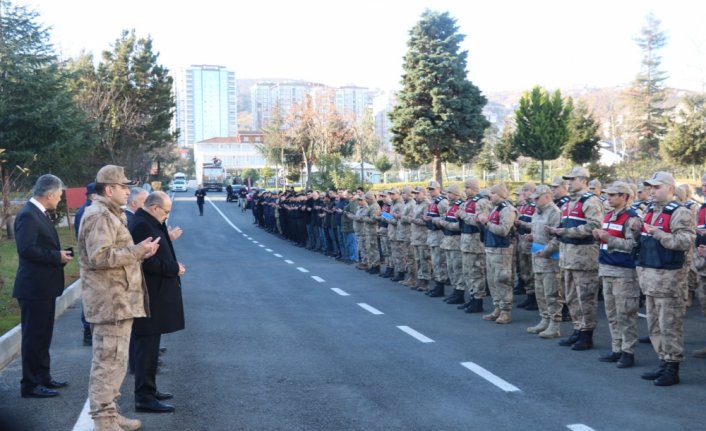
<point>621,298</point>
<point>454,268</point>
<point>423,262</point>
<point>438,264</point>
<point>581,295</point>
<point>524,271</point>
<point>395,255</point>
<point>665,323</point>
<point>385,258</point>
<point>547,291</point>
<point>108,366</point>
<point>360,240</point>
<point>372,250</point>
<point>401,255</point>
<point>702,293</point>
<point>473,270</point>
<point>499,278</point>
<point>410,265</point>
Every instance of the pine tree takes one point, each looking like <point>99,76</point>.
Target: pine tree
<point>438,113</point>
<point>583,145</point>
<point>686,141</point>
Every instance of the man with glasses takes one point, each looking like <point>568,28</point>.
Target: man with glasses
<point>162,272</point>
<point>113,293</point>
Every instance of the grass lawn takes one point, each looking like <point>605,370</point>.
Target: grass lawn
<point>9,310</point>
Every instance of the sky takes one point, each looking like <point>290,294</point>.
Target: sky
<point>511,44</point>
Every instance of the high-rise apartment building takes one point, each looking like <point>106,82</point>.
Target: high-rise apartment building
<point>382,106</point>
<point>265,96</point>
<point>207,104</point>
<point>352,101</point>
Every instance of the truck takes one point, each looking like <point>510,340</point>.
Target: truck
<point>213,176</point>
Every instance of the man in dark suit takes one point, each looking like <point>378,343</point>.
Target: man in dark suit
<point>39,280</point>
<point>162,272</point>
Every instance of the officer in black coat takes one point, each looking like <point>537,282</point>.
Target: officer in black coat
<point>39,280</point>
<point>162,272</point>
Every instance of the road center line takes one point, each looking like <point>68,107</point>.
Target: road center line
<point>255,242</point>
<point>579,427</point>
<point>224,216</point>
<point>261,245</point>
<point>302,269</point>
<point>419,336</point>
<point>289,262</point>
<point>492,378</point>
<point>373,310</point>
<point>268,250</point>
<point>84,421</point>
<point>317,278</point>
<point>340,292</point>
<point>278,255</point>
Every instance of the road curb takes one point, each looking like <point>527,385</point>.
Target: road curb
<point>11,341</point>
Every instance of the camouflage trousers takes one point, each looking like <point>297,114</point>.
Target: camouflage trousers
<point>665,323</point>
<point>110,353</point>
<point>581,295</point>
<point>524,271</point>
<point>423,262</point>
<point>499,278</point>
<point>385,259</point>
<point>371,249</point>
<point>395,256</point>
<point>621,297</point>
<point>400,255</point>
<point>547,290</point>
<point>702,294</point>
<point>438,263</point>
<point>410,266</point>
<point>473,269</point>
<point>454,268</point>
<point>360,239</point>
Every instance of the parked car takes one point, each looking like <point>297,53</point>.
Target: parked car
<point>179,186</point>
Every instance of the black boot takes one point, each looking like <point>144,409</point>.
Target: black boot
<point>456,297</point>
<point>87,337</point>
<point>374,270</point>
<point>519,288</point>
<point>610,357</point>
<point>532,302</point>
<point>465,304</point>
<point>398,277</point>
<point>626,360</point>
<point>669,376</point>
<point>571,340</point>
<point>389,272</point>
<point>476,306</point>
<point>584,342</point>
<point>438,290</point>
<point>652,375</point>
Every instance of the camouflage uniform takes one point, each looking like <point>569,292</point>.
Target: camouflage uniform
<point>419,242</point>
<point>699,266</point>
<point>499,253</point>
<point>437,208</point>
<point>391,235</point>
<point>546,270</point>
<point>370,218</point>
<point>401,233</point>
<point>406,249</point>
<point>472,248</point>
<point>384,238</point>
<point>451,244</point>
<point>113,293</point>
<point>361,233</point>
<point>524,248</point>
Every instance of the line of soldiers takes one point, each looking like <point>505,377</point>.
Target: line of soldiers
<point>563,242</point>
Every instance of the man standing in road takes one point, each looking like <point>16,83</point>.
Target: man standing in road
<point>113,294</point>
<point>201,198</point>
<point>162,272</point>
<point>39,280</point>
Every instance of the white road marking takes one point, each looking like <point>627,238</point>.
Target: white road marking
<point>419,336</point>
<point>261,245</point>
<point>84,421</point>
<point>644,316</point>
<point>224,216</point>
<point>302,269</point>
<point>268,250</point>
<point>579,427</point>
<point>317,278</point>
<point>289,262</point>
<point>340,292</point>
<point>255,242</point>
<point>492,378</point>
<point>278,255</point>
<point>373,310</point>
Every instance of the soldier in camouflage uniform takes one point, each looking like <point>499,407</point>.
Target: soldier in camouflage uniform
<point>437,209</point>
<point>499,226</point>
<point>451,244</point>
<point>360,230</point>
<point>684,197</point>
<point>385,206</point>
<point>579,257</point>
<point>422,259</point>
<point>114,293</point>
<point>404,233</point>
<point>616,268</point>
<point>370,218</point>
<point>667,233</point>
<point>523,224</point>
<point>642,201</point>
<point>392,231</point>
<point>472,248</point>
<point>699,264</point>
<point>560,194</point>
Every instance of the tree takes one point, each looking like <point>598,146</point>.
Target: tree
<point>266,173</point>
<point>505,149</point>
<point>686,141</point>
<point>364,140</point>
<point>487,161</point>
<point>438,113</point>
<point>383,164</point>
<point>583,145</point>
<point>251,173</point>
<point>542,125</point>
<point>647,122</point>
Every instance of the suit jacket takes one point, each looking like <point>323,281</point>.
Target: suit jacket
<point>162,277</point>
<point>40,274</point>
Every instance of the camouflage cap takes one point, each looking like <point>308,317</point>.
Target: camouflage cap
<point>417,190</point>
<point>370,195</point>
<point>619,187</point>
<point>500,190</point>
<point>578,171</point>
<point>540,190</point>
<point>406,189</point>
<point>556,182</point>
<point>516,191</point>
<point>454,188</point>
<point>111,174</point>
<point>393,192</point>
<point>433,185</point>
<point>594,184</point>
<point>661,178</point>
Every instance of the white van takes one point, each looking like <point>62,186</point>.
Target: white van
<point>179,185</point>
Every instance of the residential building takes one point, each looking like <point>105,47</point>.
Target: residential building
<point>382,106</point>
<point>353,101</point>
<point>235,152</point>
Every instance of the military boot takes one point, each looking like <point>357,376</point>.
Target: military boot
<point>519,288</point>
<point>456,297</point>
<point>552,331</point>
<point>465,304</point>
<point>610,357</point>
<point>476,306</point>
<point>389,272</point>
<point>492,316</point>
<point>438,290</point>
<point>652,375</point>
<point>87,337</point>
<point>398,277</point>
<point>701,353</point>
<point>373,270</point>
<point>504,318</point>
<point>531,302</point>
<point>571,340</point>
<point>423,286</point>
<point>669,376</point>
<point>128,424</point>
<point>106,424</point>
<point>626,360</point>
<point>584,342</point>
<point>539,327</point>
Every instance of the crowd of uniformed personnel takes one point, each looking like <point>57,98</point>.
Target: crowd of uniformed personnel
<point>565,243</point>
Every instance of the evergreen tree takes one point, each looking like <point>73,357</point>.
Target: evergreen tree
<point>505,149</point>
<point>583,145</point>
<point>542,125</point>
<point>383,164</point>
<point>438,113</point>
<point>686,141</point>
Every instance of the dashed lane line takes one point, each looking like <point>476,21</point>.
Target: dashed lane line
<point>418,335</point>
<point>289,261</point>
<point>492,378</point>
<point>261,245</point>
<point>302,269</point>
<point>278,255</point>
<point>340,292</point>
<point>269,250</point>
<point>579,427</point>
<point>317,278</point>
<point>372,310</point>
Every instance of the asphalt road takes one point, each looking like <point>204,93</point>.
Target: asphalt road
<point>280,338</point>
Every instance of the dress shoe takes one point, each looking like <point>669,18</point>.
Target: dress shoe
<point>154,406</point>
<point>161,396</point>
<point>39,392</point>
<point>56,384</point>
